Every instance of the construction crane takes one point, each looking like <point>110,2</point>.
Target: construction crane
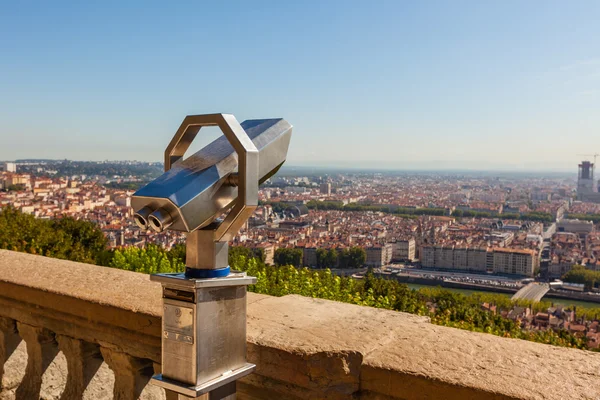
<point>590,155</point>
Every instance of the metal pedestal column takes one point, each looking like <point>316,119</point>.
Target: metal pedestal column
<point>203,332</point>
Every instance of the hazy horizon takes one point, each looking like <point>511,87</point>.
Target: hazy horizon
<point>350,167</point>
<point>440,85</point>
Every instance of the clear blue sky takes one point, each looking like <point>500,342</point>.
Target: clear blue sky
<point>422,84</point>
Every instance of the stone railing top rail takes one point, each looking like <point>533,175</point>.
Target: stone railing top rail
<point>106,286</point>
<point>304,348</point>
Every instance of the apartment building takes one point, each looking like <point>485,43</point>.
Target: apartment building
<point>379,255</point>
<point>477,259</point>
<point>325,189</point>
<point>9,167</point>
<point>404,250</point>
<point>427,256</point>
<point>515,261</point>
<point>481,259</point>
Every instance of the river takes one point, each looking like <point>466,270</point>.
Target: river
<point>467,292</point>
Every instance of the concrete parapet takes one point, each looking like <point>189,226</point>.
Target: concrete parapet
<point>304,348</point>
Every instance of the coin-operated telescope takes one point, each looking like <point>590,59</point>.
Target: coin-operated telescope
<point>204,309</point>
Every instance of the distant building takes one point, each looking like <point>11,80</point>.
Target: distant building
<point>296,189</point>
<point>577,226</point>
<point>556,270</point>
<point>296,211</point>
<point>9,167</point>
<point>403,250</point>
<point>503,239</point>
<point>122,200</point>
<point>585,178</point>
<point>586,190</point>
<point>18,180</point>
<point>515,261</point>
<point>475,259</point>
<point>538,195</point>
<point>379,255</point>
<point>326,189</point>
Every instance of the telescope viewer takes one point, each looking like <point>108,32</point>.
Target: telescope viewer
<point>204,309</point>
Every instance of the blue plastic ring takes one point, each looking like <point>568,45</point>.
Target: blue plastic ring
<point>206,273</point>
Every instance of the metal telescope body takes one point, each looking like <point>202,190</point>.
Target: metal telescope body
<point>204,309</point>
<point>193,192</point>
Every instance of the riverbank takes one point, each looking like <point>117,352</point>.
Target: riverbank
<point>567,299</point>
<point>575,296</point>
<point>447,284</point>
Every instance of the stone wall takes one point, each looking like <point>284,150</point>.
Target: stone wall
<point>71,330</point>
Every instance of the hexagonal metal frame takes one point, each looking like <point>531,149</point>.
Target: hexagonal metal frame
<point>247,176</point>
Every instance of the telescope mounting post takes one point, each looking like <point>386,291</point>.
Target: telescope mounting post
<point>204,309</point>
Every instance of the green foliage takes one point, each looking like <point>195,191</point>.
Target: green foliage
<point>150,260</point>
<point>585,217</point>
<point>327,258</point>
<point>325,205</point>
<point>64,238</point>
<point>177,252</point>
<point>537,217</point>
<point>471,214</point>
<point>15,188</point>
<point>285,256</point>
<point>125,185</point>
<point>238,251</point>
<point>147,171</point>
<point>532,216</point>
<point>354,257</point>
<point>259,253</point>
<point>579,274</point>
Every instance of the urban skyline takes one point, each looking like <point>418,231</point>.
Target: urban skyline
<point>374,167</point>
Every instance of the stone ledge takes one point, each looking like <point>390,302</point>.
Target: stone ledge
<point>304,348</point>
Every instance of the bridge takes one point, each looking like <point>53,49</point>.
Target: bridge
<point>534,291</point>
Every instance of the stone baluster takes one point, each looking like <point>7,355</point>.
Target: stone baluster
<point>41,350</point>
<point>83,360</point>
<point>131,373</point>
<point>9,340</point>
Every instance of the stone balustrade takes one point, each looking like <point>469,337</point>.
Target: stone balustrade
<point>65,326</point>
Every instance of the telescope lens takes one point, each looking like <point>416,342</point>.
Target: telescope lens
<point>141,217</point>
<point>160,220</point>
<point>141,222</point>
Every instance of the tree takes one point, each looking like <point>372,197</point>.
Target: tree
<point>284,256</point>
<point>327,258</point>
<point>66,238</point>
<point>15,188</point>
<point>354,257</point>
<point>579,274</point>
<point>88,241</point>
<point>259,253</point>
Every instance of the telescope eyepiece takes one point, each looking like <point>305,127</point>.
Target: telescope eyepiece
<point>160,220</point>
<point>141,217</point>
